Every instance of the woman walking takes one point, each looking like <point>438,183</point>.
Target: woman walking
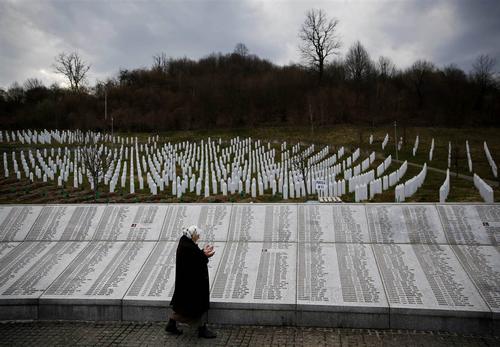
<point>191,299</point>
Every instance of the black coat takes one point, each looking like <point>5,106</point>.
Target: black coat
<point>191,295</point>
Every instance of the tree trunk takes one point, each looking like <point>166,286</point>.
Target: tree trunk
<point>321,68</point>
<point>311,118</point>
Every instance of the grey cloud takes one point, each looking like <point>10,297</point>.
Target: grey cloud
<point>125,34</point>
<point>478,32</point>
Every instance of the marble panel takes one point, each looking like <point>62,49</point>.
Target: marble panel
<point>39,271</point>
<point>336,275</point>
<point>213,220</point>
<point>404,223</point>
<point>66,222</point>
<point>471,224</point>
<point>16,221</point>
<point>332,223</point>
<point>256,275</point>
<point>130,222</point>
<point>263,222</point>
<point>427,279</point>
<point>6,247</point>
<point>482,264</point>
<point>102,271</point>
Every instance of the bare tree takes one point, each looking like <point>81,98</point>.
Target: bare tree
<point>482,69</point>
<point>484,76</point>
<point>385,67</point>
<point>16,93</point>
<point>358,67</point>
<point>160,62</point>
<point>241,49</point>
<point>311,116</point>
<point>32,83</point>
<point>418,75</point>
<point>319,39</point>
<point>95,161</point>
<point>358,63</point>
<point>72,66</point>
<point>385,70</point>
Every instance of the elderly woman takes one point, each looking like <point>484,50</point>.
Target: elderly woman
<point>191,298</point>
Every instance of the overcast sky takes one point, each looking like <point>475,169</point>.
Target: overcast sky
<point>117,34</point>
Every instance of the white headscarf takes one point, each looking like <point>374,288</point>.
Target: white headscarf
<point>190,231</point>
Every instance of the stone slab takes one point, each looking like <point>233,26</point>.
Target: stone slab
<point>39,271</point>
<point>65,222</point>
<point>404,223</point>
<point>482,264</point>
<point>20,292</point>
<point>6,247</point>
<point>428,289</point>
<point>255,284</point>
<point>16,221</point>
<point>349,223</point>
<point>93,284</point>
<point>14,257</point>
<point>153,285</point>
<point>255,275</point>
<point>342,274</point>
<point>332,223</point>
<point>213,220</point>
<point>20,259</point>
<point>130,222</point>
<point>344,265</point>
<point>263,222</point>
<point>427,278</point>
<point>339,285</point>
<point>471,224</point>
<point>100,275</point>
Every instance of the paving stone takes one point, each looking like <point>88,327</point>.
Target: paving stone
<point>58,333</point>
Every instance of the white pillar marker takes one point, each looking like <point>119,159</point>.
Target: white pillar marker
<point>254,188</point>
<point>179,190</point>
<point>207,190</point>
<point>224,187</point>
<point>198,187</point>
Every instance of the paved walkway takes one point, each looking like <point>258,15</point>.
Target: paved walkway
<point>41,333</point>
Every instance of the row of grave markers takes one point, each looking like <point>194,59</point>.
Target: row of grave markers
<point>28,136</point>
<point>244,167</point>
<point>250,170</point>
<point>320,167</point>
<point>485,190</point>
<point>491,161</point>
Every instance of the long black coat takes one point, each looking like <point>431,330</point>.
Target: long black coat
<point>191,295</point>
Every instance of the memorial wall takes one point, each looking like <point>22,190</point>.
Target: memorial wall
<point>422,259</point>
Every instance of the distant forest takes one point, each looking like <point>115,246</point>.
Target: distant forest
<point>239,90</point>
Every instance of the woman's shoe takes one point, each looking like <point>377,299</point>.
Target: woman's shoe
<point>172,327</point>
<point>205,333</point>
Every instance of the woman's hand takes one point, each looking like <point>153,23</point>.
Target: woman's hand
<point>208,250</point>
